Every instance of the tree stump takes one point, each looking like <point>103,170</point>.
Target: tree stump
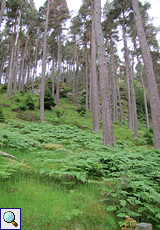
<point>143,226</point>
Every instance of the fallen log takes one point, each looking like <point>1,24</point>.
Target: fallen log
<point>7,155</point>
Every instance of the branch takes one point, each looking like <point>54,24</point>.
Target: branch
<point>7,155</point>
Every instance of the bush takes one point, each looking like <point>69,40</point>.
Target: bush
<point>148,136</point>
<point>17,99</point>
<point>82,110</point>
<point>4,88</point>
<point>48,99</point>
<point>22,92</point>
<point>30,102</point>
<point>1,115</point>
<point>22,107</point>
<point>28,117</point>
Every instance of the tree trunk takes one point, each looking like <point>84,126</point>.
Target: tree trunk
<point>86,70</point>
<point>1,69</point>
<point>94,81</point>
<point>59,68</point>
<point>134,107</point>
<point>114,93</point>
<point>107,126</point>
<point>3,5</point>
<point>22,65</point>
<point>53,74</point>
<point>144,94</point>
<point>152,86</point>
<point>44,65</point>
<point>74,77</point>
<point>35,66</point>
<point>127,73</point>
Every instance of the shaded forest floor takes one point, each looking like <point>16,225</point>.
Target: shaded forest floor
<point>65,179</point>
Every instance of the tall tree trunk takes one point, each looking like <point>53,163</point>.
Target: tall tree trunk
<point>22,65</point>
<point>44,65</point>
<point>10,79</point>
<point>144,94</point>
<point>119,97</point>
<point>3,5</point>
<point>134,107</point>
<point>59,67</point>
<point>53,74</point>
<point>1,69</point>
<point>107,126</point>
<point>35,66</point>
<point>94,81</point>
<point>127,73</point>
<point>114,93</point>
<point>152,86</point>
<point>86,69</point>
<point>74,77</point>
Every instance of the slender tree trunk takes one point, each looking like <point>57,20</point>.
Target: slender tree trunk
<point>144,94</point>
<point>53,74</point>
<point>107,126</point>
<point>44,65</point>
<point>114,93</point>
<point>134,107</point>
<point>86,68</point>
<point>35,66</point>
<point>3,5</point>
<point>127,74</point>
<point>1,69</point>
<point>74,77</point>
<point>59,68</point>
<point>119,97</point>
<point>10,79</point>
<point>22,65</point>
<point>94,82</point>
<point>152,86</point>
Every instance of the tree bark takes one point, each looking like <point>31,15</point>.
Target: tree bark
<point>127,73</point>
<point>3,5</point>
<point>107,126</point>
<point>86,71</point>
<point>59,68</point>
<point>151,82</point>
<point>53,74</point>
<point>44,65</point>
<point>94,81</point>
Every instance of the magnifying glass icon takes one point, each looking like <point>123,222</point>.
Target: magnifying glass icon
<point>9,217</point>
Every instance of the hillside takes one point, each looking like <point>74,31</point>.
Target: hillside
<point>64,178</point>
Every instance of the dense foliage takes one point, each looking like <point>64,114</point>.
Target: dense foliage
<point>128,179</point>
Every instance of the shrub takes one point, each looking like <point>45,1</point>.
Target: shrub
<point>17,99</point>
<point>28,117</point>
<point>22,92</point>
<point>1,115</point>
<point>30,102</point>
<point>48,99</point>
<point>4,88</point>
<point>82,110</point>
<point>22,107</point>
<point>148,136</point>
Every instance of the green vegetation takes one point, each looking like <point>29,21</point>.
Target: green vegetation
<point>65,178</point>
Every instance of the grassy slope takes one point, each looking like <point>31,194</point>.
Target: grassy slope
<point>46,203</point>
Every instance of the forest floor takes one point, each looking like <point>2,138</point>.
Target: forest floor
<point>64,178</point>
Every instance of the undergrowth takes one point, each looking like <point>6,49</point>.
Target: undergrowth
<point>127,179</point>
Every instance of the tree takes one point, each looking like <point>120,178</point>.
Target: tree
<point>95,90</point>
<point>152,86</point>
<point>104,83</point>
<point>3,5</point>
<point>44,65</point>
